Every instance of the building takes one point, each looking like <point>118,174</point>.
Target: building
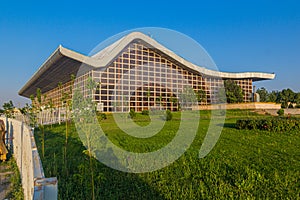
<point>134,71</point>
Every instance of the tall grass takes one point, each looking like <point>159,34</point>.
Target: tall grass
<point>247,164</point>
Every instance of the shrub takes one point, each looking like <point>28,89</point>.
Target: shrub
<point>103,116</point>
<point>284,105</point>
<point>168,115</point>
<point>280,112</point>
<point>132,113</point>
<point>278,124</point>
<point>265,124</point>
<point>145,112</point>
<point>241,124</point>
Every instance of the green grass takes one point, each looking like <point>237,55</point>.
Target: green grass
<point>16,191</point>
<point>244,164</point>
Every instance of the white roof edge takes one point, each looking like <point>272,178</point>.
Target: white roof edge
<point>121,44</point>
<point>78,56</point>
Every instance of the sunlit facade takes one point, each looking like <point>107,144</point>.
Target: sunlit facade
<point>139,76</point>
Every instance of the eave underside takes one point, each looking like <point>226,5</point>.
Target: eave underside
<point>59,72</point>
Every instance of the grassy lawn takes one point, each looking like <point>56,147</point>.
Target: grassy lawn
<point>245,164</point>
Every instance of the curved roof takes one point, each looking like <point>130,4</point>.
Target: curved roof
<point>63,62</point>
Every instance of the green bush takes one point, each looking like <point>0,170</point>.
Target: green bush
<point>278,124</point>
<point>101,115</point>
<point>284,105</point>
<point>280,112</point>
<point>168,115</point>
<point>145,112</point>
<point>132,113</point>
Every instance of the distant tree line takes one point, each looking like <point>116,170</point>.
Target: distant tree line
<point>286,97</point>
<point>234,94</point>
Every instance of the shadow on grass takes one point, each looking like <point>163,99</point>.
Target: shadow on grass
<point>229,125</point>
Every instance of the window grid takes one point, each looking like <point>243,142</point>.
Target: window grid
<point>140,78</point>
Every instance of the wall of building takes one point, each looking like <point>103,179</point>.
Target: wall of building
<point>144,78</point>
<point>140,78</point>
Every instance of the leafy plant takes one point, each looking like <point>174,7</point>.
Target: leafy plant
<point>168,115</point>
<point>145,112</point>
<point>102,116</point>
<point>132,114</point>
<point>201,96</point>
<point>280,112</point>
<point>87,126</point>
<point>284,104</point>
<point>234,93</point>
<point>279,124</point>
<point>8,109</point>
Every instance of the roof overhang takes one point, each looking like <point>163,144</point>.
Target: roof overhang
<point>57,68</point>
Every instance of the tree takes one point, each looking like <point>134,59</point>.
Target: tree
<point>51,107</point>
<point>272,96</point>
<point>85,124</point>
<point>39,98</point>
<point>159,100</point>
<point>234,93</point>
<point>285,96</point>
<point>66,99</point>
<point>297,98</point>
<point>174,102</point>
<point>280,112</point>
<point>148,97</point>
<point>8,109</point>
<point>25,109</point>
<point>32,111</point>
<point>201,96</point>
<point>188,98</point>
<point>41,123</point>
<point>263,94</point>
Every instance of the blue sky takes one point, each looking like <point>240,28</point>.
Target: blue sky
<point>238,35</point>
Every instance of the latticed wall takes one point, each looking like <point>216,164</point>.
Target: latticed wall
<point>140,78</point>
<point>246,85</point>
<point>59,96</point>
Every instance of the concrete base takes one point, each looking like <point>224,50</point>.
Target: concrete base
<point>243,106</point>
